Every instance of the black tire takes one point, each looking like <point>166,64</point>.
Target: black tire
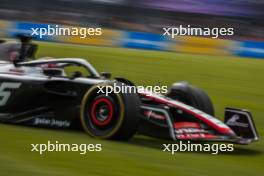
<point>192,96</point>
<point>122,109</point>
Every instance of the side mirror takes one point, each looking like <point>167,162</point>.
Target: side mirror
<point>106,75</point>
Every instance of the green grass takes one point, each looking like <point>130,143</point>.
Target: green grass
<point>230,81</point>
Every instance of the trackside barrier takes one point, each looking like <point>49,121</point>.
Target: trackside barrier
<point>250,49</point>
<point>202,45</point>
<point>25,28</point>
<point>108,38</point>
<point>143,40</point>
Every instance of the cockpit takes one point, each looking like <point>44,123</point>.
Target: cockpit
<point>66,67</point>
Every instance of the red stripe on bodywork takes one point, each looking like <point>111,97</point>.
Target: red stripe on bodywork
<point>186,125</point>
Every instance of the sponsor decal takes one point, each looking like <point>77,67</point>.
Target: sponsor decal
<point>51,122</point>
<point>189,130</point>
<point>154,115</point>
<point>196,136</point>
<point>233,121</point>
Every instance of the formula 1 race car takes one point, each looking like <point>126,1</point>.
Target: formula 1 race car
<point>42,93</point>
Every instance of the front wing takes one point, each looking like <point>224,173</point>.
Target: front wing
<point>177,121</point>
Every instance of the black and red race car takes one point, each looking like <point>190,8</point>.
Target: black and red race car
<point>42,93</point>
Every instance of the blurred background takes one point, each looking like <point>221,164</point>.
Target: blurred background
<point>227,68</point>
<point>139,23</point>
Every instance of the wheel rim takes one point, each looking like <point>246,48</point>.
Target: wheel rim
<point>102,112</point>
<point>109,130</point>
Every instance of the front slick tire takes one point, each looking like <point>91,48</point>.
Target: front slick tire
<point>113,116</point>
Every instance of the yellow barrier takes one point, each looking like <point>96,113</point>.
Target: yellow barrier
<point>107,38</point>
<point>4,25</point>
<point>202,45</point>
